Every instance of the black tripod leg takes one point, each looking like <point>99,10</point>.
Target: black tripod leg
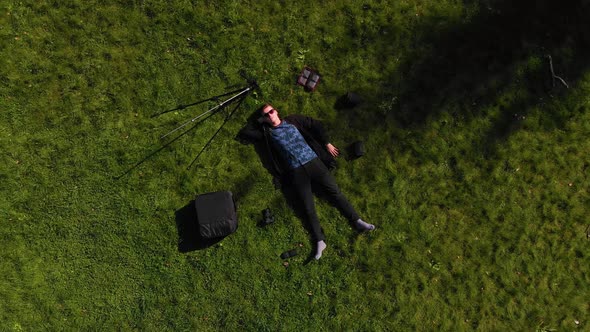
<point>217,132</point>
<point>181,107</point>
<point>161,148</point>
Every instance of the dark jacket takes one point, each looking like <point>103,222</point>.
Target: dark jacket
<point>312,131</point>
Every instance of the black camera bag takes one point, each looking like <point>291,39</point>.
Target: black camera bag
<point>216,214</point>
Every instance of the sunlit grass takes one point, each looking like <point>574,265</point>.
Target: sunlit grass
<point>475,171</point>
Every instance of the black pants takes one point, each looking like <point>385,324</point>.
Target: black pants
<point>315,173</point>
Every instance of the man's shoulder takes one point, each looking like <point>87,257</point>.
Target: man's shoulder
<point>296,116</point>
<point>297,119</point>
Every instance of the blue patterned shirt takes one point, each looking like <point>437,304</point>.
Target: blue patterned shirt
<point>291,145</point>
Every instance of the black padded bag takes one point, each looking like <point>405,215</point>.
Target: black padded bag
<point>355,150</point>
<point>216,214</point>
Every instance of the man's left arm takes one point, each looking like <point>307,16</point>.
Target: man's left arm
<point>316,128</point>
<point>333,150</point>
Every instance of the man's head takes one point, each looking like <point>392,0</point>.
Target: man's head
<point>270,115</point>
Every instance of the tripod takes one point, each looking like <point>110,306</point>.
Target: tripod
<point>238,96</point>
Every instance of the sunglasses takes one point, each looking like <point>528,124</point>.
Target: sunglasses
<point>268,114</point>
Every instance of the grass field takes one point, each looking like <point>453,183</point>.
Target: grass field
<point>476,171</point>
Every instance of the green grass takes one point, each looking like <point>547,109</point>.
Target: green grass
<point>475,172</point>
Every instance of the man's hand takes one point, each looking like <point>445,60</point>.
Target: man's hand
<point>333,150</point>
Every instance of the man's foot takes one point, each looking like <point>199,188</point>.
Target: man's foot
<point>321,245</point>
<point>362,226</point>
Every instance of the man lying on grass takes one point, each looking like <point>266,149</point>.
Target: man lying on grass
<point>301,154</point>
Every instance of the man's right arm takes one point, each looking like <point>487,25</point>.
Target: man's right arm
<point>250,133</point>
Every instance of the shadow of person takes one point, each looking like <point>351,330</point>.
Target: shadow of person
<point>189,238</point>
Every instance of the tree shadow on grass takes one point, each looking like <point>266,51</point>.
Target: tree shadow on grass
<point>476,61</point>
<point>471,65</point>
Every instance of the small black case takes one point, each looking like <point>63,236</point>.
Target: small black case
<point>288,254</point>
<point>355,150</point>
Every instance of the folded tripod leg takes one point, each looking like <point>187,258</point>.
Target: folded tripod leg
<point>239,96</point>
<point>212,110</point>
<point>182,107</point>
<point>217,132</point>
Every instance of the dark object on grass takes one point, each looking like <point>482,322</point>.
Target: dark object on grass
<point>289,254</point>
<point>309,79</point>
<point>267,217</point>
<point>348,101</point>
<point>238,97</point>
<point>355,150</point>
<point>189,238</point>
<point>216,214</point>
